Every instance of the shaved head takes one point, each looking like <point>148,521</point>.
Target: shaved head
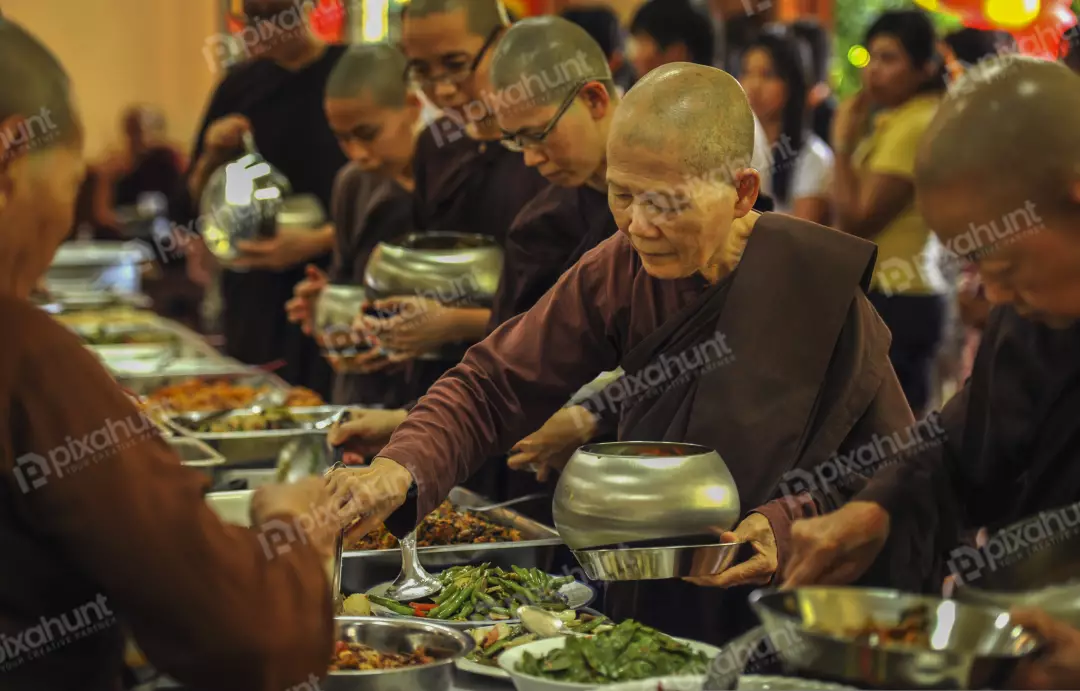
<point>698,114</point>
<point>483,15</point>
<point>1007,129</point>
<point>375,69</point>
<point>33,86</point>
<point>549,56</point>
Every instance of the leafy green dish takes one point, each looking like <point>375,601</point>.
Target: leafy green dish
<point>629,652</point>
<point>495,640</point>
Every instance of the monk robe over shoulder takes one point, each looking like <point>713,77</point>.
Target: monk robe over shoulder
<point>803,372</point>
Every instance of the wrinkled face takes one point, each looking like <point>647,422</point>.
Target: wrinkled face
<point>678,225</point>
<point>39,183</point>
<point>1027,257</point>
<point>375,137</point>
<point>441,52</point>
<point>573,150</point>
<point>891,78</point>
<point>764,88</point>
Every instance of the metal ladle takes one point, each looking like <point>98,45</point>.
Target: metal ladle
<point>413,583</point>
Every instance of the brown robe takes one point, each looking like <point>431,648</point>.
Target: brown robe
<point>120,538</point>
<point>1008,448</point>
<point>809,368</point>
<point>367,209</point>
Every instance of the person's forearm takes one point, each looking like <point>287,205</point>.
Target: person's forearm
<point>320,241</point>
<point>471,324</point>
<point>846,198</point>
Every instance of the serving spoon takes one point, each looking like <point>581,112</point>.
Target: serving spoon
<point>544,623</point>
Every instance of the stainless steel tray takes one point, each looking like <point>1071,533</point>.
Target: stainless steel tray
<point>127,371</point>
<point>91,267</point>
<point>232,507</point>
<point>146,384</point>
<point>265,446</point>
<point>363,569</point>
<point>195,454</point>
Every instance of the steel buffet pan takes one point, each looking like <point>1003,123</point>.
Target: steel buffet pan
<point>238,375</point>
<point>363,569</point>
<point>1046,575</point>
<point>834,634</point>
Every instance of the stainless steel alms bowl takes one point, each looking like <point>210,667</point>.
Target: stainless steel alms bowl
<point>456,268</point>
<point>814,631</point>
<point>621,493</point>
<point>690,558</point>
<point>336,309</point>
<point>1046,575</point>
<point>392,636</point>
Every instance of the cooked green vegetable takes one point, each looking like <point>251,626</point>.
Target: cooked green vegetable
<point>494,640</point>
<point>629,652</point>
<point>391,605</point>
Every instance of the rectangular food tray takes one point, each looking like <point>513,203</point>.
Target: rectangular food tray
<point>238,374</point>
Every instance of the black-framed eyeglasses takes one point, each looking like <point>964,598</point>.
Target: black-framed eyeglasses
<point>455,69</point>
<point>520,141</point>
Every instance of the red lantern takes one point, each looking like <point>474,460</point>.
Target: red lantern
<point>1043,38</point>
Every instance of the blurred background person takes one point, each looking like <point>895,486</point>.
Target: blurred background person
<point>774,80</point>
<point>1070,49</point>
<point>820,99</point>
<point>736,23</point>
<point>603,25</point>
<point>966,47</point>
<point>874,197</point>
<point>666,31</point>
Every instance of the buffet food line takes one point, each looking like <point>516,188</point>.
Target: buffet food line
<point>469,601</point>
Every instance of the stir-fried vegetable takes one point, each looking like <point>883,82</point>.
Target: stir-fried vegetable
<point>486,593</point>
<point>495,640</point>
<point>629,652</point>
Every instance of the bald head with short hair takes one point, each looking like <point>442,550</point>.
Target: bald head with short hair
<point>549,56</point>
<point>376,69</point>
<point>33,84</point>
<point>697,113</point>
<point>484,16</point>
<point>1008,130</point>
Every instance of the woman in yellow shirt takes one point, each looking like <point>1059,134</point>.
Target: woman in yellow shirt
<point>874,197</point>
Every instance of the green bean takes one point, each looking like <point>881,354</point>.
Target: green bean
<point>589,626</point>
<point>448,609</point>
<point>559,582</point>
<point>468,609</point>
<point>478,617</point>
<point>395,607</point>
<point>499,610</point>
<point>446,594</point>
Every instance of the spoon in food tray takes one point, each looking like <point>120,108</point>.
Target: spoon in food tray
<point>504,504</point>
<point>274,398</point>
<point>413,583</point>
<point>544,623</point>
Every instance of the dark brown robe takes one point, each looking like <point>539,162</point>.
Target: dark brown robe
<point>807,374</point>
<point>102,530</point>
<point>1009,448</point>
<point>367,209</point>
<point>286,113</point>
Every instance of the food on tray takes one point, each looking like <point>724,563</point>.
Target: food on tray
<point>913,630</point>
<point>113,316</point>
<point>199,395</point>
<point>628,652</point>
<point>273,419</point>
<point>103,336</point>
<point>356,657</point>
<point>356,606</point>
<point>492,641</point>
<point>444,526</point>
<point>485,593</point>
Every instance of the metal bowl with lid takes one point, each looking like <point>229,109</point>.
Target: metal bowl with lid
<point>647,510</point>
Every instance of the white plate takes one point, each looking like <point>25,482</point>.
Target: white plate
<point>666,683</point>
<point>510,659</point>
<point>578,596</point>
<point>466,665</point>
<point>754,682</point>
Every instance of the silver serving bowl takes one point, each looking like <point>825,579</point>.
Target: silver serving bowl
<point>815,631</point>
<point>400,636</point>
<point>453,268</point>
<point>622,493</point>
<point>241,202</point>
<point>1046,575</point>
<point>689,559</point>
<point>335,311</point>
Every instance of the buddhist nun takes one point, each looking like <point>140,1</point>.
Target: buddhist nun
<point>105,534</point>
<point>750,334</point>
<point>376,120</point>
<point>998,178</point>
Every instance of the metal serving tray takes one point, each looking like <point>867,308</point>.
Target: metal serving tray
<point>265,446</point>
<point>97,267</point>
<point>236,373</point>
<point>232,507</point>
<point>363,569</point>
<point>195,454</point>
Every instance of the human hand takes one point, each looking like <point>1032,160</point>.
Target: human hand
<point>226,134</point>
<point>837,548</point>
<point>850,122</point>
<point>301,309</point>
<point>759,569</point>
<point>307,504</point>
<point>288,247</point>
<point>365,497</point>
<point>412,325</point>
<point>344,359</point>
<point>367,431</point>
<point>200,262</point>
<point>1058,666</point>
<point>550,447</point>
